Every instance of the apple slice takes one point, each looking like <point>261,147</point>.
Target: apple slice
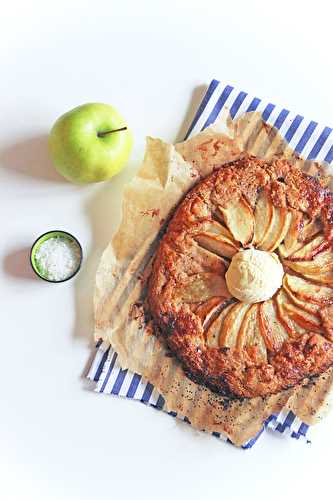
<point>278,229</point>
<point>306,306</point>
<point>294,329</point>
<point>326,315</point>
<point>217,215</point>
<point>214,329</point>
<point>321,263</point>
<point>250,335</point>
<point>263,216</point>
<point>283,252</point>
<point>301,231</point>
<point>323,260</point>
<point>239,219</point>
<point>231,325</point>
<point>272,330</point>
<point>309,292</point>
<point>216,238</point>
<point>208,261</point>
<point>311,229</point>
<point>311,249</point>
<point>303,318</point>
<point>299,316</point>
<point>291,240</point>
<point>325,278</point>
<point>202,287</point>
<point>209,309</point>
<point>217,244</point>
<point>284,230</point>
<point>214,227</point>
<point>302,266</point>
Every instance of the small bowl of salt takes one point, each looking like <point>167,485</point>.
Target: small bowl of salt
<point>56,256</point>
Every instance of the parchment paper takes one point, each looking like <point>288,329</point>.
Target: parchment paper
<point>166,174</point>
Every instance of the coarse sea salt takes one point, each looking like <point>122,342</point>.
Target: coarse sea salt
<point>57,258</point>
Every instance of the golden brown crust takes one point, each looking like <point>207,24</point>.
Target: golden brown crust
<point>280,342</point>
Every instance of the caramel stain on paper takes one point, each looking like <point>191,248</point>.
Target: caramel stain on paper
<point>151,212</point>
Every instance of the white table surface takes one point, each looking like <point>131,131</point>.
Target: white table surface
<point>59,440</point>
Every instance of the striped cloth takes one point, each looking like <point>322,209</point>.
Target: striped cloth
<point>306,137</point>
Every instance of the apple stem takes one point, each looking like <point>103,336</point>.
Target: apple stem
<point>102,134</point>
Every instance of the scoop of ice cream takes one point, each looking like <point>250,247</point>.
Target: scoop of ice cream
<point>254,275</point>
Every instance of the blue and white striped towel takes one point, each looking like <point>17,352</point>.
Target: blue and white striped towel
<point>309,139</point>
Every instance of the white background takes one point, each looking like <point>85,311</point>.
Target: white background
<point>59,440</point>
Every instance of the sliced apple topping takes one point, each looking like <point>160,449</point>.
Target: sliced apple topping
<point>297,318</point>
<point>263,217</point>
<point>326,315</point>
<point>301,231</point>
<point>322,262</point>
<point>216,238</point>
<point>311,249</point>
<point>214,329</point>
<point>297,315</point>
<point>306,306</point>
<point>231,325</point>
<point>308,292</point>
<point>239,219</point>
<point>208,261</point>
<point>303,318</point>
<point>272,330</point>
<point>312,228</point>
<point>293,329</point>
<point>214,227</point>
<point>301,266</point>
<point>209,309</point>
<point>312,271</point>
<point>217,244</point>
<point>250,335</point>
<point>291,241</point>
<point>217,215</point>
<point>202,287</point>
<point>277,231</point>
<point>325,278</point>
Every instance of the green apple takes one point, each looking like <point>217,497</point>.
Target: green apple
<point>90,143</point>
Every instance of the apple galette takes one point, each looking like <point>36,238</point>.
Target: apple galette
<point>242,282</point>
